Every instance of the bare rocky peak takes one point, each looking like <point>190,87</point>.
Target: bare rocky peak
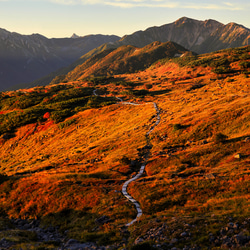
<point>74,36</point>
<point>4,34</point>
<point>230,36</point>
<point>236,28</point>
<point>192,34</point>
<point>185,31</point>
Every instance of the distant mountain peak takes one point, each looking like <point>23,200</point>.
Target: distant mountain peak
<point>74,36</point>
<point>236,25</point>
<point>211,21</point>
<point>184,20</point>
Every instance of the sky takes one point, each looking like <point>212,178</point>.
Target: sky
<point>62,18</point>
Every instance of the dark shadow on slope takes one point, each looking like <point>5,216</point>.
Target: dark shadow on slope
<point>245,139</point>
<point>159,92</point>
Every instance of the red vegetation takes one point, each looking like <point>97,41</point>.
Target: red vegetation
<point>46,115</point>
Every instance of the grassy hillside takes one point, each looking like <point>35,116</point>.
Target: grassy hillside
<point>65,154</point>
<point>125,59</point>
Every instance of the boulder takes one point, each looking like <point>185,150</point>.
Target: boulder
<point>238,156</point>
<point>210,176</point>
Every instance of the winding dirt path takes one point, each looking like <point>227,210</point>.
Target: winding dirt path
<point>125,185</point>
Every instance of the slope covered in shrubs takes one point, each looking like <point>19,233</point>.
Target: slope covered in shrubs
<point>58,102</point>
<point>70,174</point>
<point>125,59</point>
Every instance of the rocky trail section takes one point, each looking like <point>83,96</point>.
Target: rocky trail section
<point>231,234</point>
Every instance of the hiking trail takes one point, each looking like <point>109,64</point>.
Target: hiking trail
<point>148,147</point>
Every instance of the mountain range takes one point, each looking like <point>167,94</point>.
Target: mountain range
<point>198,36</point>
<point>28,58</point>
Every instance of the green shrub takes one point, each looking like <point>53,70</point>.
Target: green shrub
<point>99,79</point>
<point>66,123</point>
<point>244,65</point>
<point>244,56</point>
<point>61,101</point>
<point>185,61</point>
<point>70,103</point>
<point>98,101</point>
<point>26,102</point>
<point>94,101</point>
<point>9,122</point>
<point>60,115</point>
<point>221,70</point>
<point>220,62</point>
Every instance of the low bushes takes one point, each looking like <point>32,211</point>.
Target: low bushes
<point>60,101</point>
<point>60,115</point>
<point>66,123</point>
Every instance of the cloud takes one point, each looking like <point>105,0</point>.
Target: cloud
<point>155,4</point>
<point>218,6</point>
<point>228,4</point>
<point>121,3</point>
<point>141,3</point>
<point>77,2</point>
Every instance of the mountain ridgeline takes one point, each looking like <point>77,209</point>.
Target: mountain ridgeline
<point>197,36</point>
<point>27,58</point>
<point>36,60</point>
